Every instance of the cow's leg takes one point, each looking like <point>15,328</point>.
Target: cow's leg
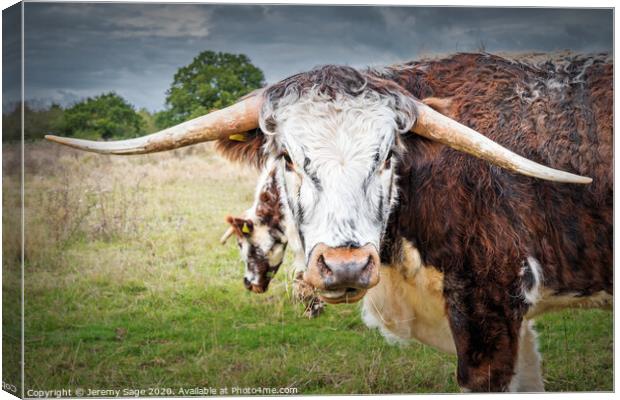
<point>528,375</point>
<point>485,318</point>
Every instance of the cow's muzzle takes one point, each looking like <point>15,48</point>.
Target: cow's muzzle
<point>343,274</point>
<point>256,285</point>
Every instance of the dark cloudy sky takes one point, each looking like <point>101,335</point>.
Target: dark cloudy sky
<point>78,50</point>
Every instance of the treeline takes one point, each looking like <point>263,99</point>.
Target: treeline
<point>101,117</point>
<point>212,80</point>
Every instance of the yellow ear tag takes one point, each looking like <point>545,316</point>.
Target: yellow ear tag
<point>238,137</point>
<point>245,228</point>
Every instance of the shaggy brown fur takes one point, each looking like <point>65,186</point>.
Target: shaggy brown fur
<point>248,151</point>
<point>477,223</point>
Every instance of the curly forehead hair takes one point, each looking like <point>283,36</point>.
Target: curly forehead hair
<point>331,82</point>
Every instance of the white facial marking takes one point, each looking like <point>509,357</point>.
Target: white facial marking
<point>339,191</point>
<point>245,250</point>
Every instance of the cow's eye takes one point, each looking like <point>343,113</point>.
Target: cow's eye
<point>388,161</point>
<point>288,161</point>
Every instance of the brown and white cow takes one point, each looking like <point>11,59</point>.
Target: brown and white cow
<point>367,169</point>
<point>263,234</point>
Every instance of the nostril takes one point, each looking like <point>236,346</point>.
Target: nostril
<point>323,268</point>
<point>247,283</point>
<point>369,264</point>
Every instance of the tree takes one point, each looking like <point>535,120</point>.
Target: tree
<point>211,81</point>
<point>12,124</point>
<point>105,116</point>
<point>38,121</point>
<point>149,120</point>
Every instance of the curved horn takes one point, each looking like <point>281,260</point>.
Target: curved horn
<point>239,117</point>
<point>229,232</point>
<point>436,126</point>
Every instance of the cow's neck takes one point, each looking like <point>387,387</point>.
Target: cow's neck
<point>411,215</point>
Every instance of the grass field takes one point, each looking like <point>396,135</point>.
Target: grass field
<point>127,286</point>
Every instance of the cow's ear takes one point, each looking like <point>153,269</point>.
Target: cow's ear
<point>442,105</point>
<point>242,227</point>
<point>245,148</point>
<point>405,108</point>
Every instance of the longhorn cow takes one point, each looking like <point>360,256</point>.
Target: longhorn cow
<point>491,174</point>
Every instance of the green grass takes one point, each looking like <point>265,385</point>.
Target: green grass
<point>153,300</point>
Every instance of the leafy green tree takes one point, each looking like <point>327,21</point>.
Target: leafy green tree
<point>43,121</point>
<point>12,124</point>
<point>37,122</point>
<point>149,120</point>
<point>212,80</point>
<point>105,116</point>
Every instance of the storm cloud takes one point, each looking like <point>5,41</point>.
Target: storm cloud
<point>78,50</point>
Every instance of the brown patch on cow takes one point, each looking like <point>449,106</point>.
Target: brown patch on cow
<point>257,289</point>
<point>269,208</point>
<point>242,227</point>
<point>344,254</point>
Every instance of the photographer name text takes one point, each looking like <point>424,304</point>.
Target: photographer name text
<point>161,391</point>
